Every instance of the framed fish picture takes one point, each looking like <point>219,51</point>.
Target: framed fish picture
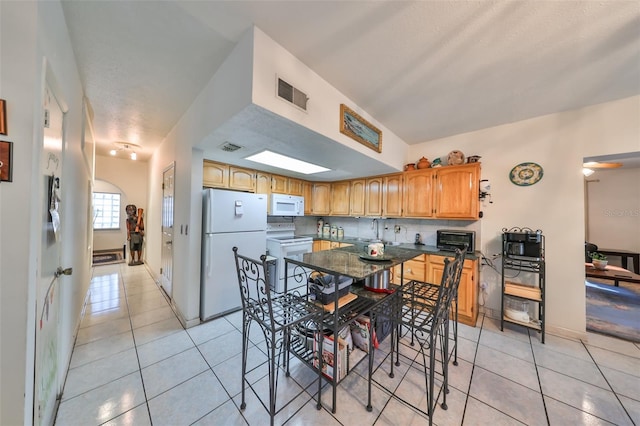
<point>356,127</point>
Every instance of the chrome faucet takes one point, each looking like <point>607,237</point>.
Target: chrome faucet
<point>374,223</point>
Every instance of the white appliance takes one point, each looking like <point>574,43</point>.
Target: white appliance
<point>229,219</point>
<point>281,243</point>
<point>286,205</point>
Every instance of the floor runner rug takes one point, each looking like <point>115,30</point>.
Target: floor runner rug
<point>107,257</point>
<point>614,311</point>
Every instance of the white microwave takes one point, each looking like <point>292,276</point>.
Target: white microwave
<point>286,205</point>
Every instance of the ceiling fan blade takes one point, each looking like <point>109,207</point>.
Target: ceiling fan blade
<point>596,165</point>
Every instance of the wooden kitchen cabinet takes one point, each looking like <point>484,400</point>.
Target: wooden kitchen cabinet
<point>357,197</point>
<point>340,198</point>
<point>215,175</point>
<point>263,183</point>
<point>414,269</point>
<point>279,184</point>
<point>456,192</point>
<point>449,192</point>
<point>392,195</point>
<point>467,290</point>
<point>321,199</point>
<point>294,186</point>
<point>307,193</point>
<point>241,179</point>
<point>418,193</point>
<point>373,196</point>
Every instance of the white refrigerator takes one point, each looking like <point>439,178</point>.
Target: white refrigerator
<point>230,219</point>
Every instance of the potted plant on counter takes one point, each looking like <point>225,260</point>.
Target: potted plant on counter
<point>599,260</point>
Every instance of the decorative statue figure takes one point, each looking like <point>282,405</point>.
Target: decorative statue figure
<point>135,233</point>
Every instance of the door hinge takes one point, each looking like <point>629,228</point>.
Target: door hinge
<point>46,118</point>
<point>160,271</point>
<point>162,185</point>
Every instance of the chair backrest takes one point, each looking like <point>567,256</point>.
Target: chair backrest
<point>253,279</point>
<point>448,289</point>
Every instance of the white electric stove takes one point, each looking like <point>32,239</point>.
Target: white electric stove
<point>282,242</point>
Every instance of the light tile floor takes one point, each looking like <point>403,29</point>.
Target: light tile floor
<point>134,364</point>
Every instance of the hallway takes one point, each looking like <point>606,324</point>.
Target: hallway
<point>134,364</point>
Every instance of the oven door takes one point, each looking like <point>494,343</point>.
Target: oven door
<point>295,251</point>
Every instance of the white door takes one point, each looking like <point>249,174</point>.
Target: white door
<point>166,254</point>
<point>48,384</point>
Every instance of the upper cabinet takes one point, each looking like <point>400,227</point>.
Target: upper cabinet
<point>444,193</point>
<point>357,197</point>
<point>392,195</point>
<point>373,196</point>
<point>242,179</point>
<point>456,192</point>
<point>279,184</point>
<point>215,175</point>
<point>340,198</point>
<point>321,199</point>
<point>294,186</point>
<point>418,193</point>
<point>449,192</point>
<point>307,193</point>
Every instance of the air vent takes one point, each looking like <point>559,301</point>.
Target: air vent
<point>229,147</point>
<point>291,94</point>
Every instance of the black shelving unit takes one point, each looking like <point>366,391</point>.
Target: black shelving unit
<point>523,250</point>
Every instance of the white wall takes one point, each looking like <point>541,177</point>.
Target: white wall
<point>129,178</point>
<point>30,32</point>
<point>557,142</point>
<point>271,59</point>
<point>613,214</point>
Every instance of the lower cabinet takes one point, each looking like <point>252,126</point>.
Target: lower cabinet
<point>430,267</point>
<point>319,245</point>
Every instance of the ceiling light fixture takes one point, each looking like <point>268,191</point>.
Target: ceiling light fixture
<point>601,165</point>
<point>587,172</point>
<point>287,163</point>
<point>126,147</point>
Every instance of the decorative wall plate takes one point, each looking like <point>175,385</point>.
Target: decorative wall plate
<point>525,174</point>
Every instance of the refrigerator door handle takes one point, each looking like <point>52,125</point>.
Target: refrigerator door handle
<point>209,263</point>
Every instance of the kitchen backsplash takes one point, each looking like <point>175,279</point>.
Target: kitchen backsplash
<point>362,227</point>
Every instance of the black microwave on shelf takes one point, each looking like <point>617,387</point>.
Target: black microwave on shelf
<point>451,239</point>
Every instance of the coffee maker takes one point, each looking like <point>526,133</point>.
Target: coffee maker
<point>523,243</point>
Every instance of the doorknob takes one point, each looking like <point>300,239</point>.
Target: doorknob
<point>60,271</point>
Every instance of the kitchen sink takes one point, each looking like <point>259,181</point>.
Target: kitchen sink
<point>392,243</point>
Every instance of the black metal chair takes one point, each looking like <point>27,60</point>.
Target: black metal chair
<point>424,310</point>
<point>276,315</point>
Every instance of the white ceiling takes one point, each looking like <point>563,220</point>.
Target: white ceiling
<point>424,69</point>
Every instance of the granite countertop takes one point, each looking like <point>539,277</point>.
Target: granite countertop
<point>361,243</point>
<point>349,261</point>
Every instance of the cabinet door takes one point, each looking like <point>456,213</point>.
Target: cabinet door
<point>279,184</point>
<point>418,193</point>
<point>215,175</point>
<point>357,198</point>
<point>294,186</point>
<point>317,245</point>
<point>373,197</point>
<point>340,198</point>
<point>414,269</point>
<point>307,193</point>
<point>263,183</point>
<point>321,201</point>
<point>392,196</point>
<point>325,245</point>
<point>467,293</point>
<point>241,179</point>
<point>456,192</point>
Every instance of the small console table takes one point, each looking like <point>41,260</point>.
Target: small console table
<point>624,255</point>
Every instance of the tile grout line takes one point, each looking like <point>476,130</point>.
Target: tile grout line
<point>535,364</point>
<point>135,345</point>
<point>609,384</point>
